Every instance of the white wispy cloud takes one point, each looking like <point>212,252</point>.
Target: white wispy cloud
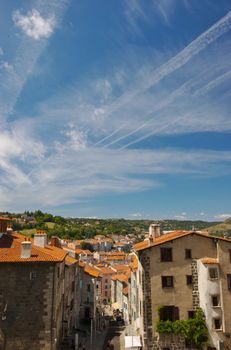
<point>222,216</point>
<point>90,172</point>
<point>15,74</point>
<point>34,25</point>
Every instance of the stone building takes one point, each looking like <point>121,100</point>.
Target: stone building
<point>70,296</point>
<point>31,293</point>
<point>182,271</point>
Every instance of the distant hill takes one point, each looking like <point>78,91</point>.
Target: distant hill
<point>223,228</point>
<point>79,228</point>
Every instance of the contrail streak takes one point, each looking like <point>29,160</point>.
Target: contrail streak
<point>179,60</point>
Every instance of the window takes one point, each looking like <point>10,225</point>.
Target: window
<point>167,281</point>
<point>188,279</point>
<point>188,254</point>
<point>106,286</point>
<point>215,299</point>
<point>169,313</point>
<point>229,281</point>
<point>72,286</point>
<point>191,314</point>
<point>213,273</point>
<point>166,254</point>
<point>88,287</point>
<point>105,280</point>
<point>217,323</point>
<point>106,294</point>
<point>32,276</point>
<point>229,255</point>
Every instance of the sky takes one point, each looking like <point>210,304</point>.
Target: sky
<point>116,108</point>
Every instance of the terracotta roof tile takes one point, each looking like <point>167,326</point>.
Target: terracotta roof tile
<point>209,261</point>
<point>69,260</point>
<point>172,236</point>
<point>91,270</point>
<point>10,251</point>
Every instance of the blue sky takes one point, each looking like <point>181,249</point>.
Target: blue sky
<point>116,108</point>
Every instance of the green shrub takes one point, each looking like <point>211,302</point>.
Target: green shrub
<point>193,330</point>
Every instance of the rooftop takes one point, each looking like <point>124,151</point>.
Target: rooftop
<point>10,251</point>
<point>172,236</point>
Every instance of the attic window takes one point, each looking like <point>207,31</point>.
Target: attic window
<point>32,276</point>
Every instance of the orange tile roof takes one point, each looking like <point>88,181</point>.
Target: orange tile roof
<point>115,257</point>
<point>209,261</point>
<point>106,270</point>
<point>121,268</point>
<point>122,278</point>
<point>172,236</point>
<point>69,260</point>
<point>10,250</point>
<point>92,271</point>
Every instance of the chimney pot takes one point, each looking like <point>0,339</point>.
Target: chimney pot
<point>26,249</point>
<point>40,239</point>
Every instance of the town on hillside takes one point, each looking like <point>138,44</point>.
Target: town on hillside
<point>170,290</point>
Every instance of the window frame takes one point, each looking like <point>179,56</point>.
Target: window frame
<point>189,280</point>
<point>164,256</point>
<point>214,323</point>
<point>33,276</point>
<point>217,273</point>
<point>218,300</point>
<point>165,280</point>
<point>191,314</point>
<point>229,281</point>
<point>188,253</point>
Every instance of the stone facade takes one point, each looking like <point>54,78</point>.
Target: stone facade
<point>31,305</point>
<point>147,301</point>
<point>195,291</point>
<point>166,341</point>
<point>183,294</point>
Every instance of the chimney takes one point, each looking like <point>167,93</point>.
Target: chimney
<point>55,242</point>
<point>154,231</point>
<point>25,250</point>
<point>9,229</point>
<point>40,239</point>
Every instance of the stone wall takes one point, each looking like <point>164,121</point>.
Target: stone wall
<point>173,342</point>
<point>147,303</point>
<point>195,291</point>
<point>28,300</point>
